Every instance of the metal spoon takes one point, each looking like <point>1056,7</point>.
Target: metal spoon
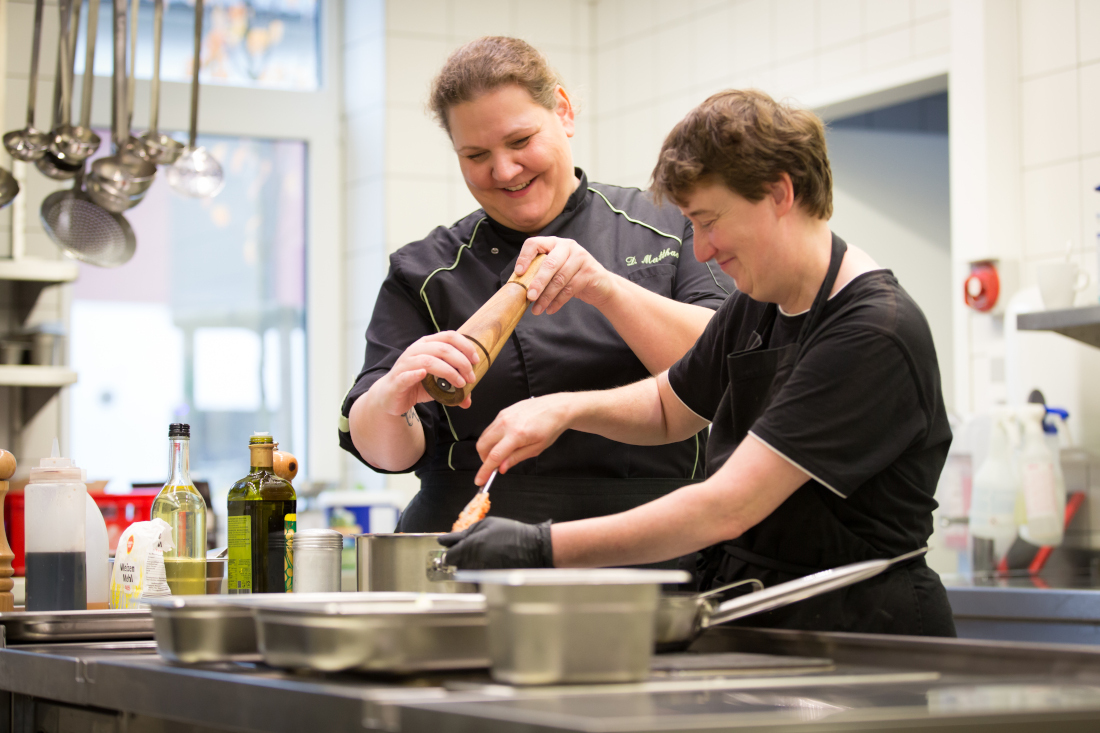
<point>29,144</point>
<point>120,181</point>
<point>156,147</point>
<point>196,173</point>
<point>71,144</point>
<point>51,164</point>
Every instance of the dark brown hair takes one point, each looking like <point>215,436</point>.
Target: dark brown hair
<point>746,140</point>
<point>489,63</point>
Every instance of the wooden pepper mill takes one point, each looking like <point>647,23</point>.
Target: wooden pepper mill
<point>488,328</point>
<point>7,600</point>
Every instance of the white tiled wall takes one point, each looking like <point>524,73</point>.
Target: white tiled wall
<point>656,60</point>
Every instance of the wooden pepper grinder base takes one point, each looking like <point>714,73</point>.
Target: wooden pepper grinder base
<point>7,600</point>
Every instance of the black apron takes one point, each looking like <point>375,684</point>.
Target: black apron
<point>907,599</point>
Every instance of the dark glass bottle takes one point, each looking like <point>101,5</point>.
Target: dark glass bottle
<point>262,509</point>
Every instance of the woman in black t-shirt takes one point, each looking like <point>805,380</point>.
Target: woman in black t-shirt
<point>819,379</point>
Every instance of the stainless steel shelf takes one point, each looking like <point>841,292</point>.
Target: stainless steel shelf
<point>36,376</point>
<point>1082,324</point>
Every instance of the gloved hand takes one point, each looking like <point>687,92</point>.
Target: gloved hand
<point>496,543</point>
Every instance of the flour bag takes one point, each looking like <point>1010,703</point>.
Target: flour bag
<point>139,564</point>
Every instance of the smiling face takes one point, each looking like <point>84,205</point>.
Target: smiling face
<point>736,233</point>
<point>515,155</point>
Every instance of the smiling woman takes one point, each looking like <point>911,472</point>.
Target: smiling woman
<point>617,297</point>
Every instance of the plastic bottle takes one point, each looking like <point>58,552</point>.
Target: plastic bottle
<point>97,547</point>
<point>1044,490</point>
<point>995,485</point>
<point>54,522</point>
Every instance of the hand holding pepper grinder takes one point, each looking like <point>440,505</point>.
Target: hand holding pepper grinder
<point>7,600</point>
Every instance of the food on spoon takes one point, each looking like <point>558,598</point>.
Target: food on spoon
<point>474,512</point>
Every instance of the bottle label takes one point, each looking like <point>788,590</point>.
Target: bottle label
<point>240,554</point>
<point>1038,479</point>
<point>290,525</point>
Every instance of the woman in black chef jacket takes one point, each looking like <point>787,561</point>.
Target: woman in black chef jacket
<point>618,298</point>
<point>819,380</point>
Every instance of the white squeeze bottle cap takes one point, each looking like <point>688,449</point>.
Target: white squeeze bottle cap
<point>56,469</point>
<point>56,510</point>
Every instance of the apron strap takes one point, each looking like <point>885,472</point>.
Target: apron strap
<point>751,558</point>
<point>836,257</point>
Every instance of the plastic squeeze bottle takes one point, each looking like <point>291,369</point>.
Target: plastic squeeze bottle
<point>993,497</point>
<point>55,514</point>
<point>1044,495</point>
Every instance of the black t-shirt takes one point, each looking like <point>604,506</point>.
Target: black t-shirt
<point>862,412</point>
<point>436,284</point>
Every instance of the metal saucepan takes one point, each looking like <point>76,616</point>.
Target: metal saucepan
<point>678,631</point>
<point>409,562</point>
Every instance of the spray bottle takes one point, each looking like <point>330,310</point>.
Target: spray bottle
<point>1043,488</point>
<point>995,485</point>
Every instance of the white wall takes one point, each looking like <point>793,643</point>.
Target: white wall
<point>655,60</point>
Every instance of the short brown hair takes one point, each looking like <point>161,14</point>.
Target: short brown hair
<point>489,63</point>
<point>745,139</point>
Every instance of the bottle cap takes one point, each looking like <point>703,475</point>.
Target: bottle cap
<point>179,430</point>
<point>56,470</point>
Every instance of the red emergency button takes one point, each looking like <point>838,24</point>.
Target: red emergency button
<point>982,287</point>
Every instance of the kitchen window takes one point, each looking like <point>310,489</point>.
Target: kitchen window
<point>206,325</point>
<point>271,44</point>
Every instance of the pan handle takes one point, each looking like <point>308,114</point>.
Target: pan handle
<point>797,590</point>
<point>756,585</point>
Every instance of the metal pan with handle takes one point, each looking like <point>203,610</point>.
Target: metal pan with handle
<point>683,632</point>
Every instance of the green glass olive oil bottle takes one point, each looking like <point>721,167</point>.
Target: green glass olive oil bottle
<point>181,505</point>
<point>262,509</point>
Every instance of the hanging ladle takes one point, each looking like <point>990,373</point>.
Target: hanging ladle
<point>120,181</point>
<point>156,147</point>
<point>29,144</point>
<point>9,187</point>
<point>74,145</point>
<point>51,164</point>
<point>196,173</point>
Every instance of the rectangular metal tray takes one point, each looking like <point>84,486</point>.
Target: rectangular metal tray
<point>26,627</point>
<point>203,629</point>
<point>392,635</point>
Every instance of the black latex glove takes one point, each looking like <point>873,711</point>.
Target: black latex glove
<point>496,543</point>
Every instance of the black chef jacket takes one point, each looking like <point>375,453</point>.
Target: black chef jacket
<point>436,284</point>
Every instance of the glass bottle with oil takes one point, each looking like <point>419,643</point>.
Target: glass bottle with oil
<point>261,512</point>
<point>181,505</point>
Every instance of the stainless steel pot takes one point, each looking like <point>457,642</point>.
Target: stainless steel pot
<point>406,563</point>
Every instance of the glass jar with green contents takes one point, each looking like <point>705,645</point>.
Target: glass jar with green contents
<point>181,505</point>
<point>261,512</point>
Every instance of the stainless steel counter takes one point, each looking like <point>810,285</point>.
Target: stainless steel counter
<point>903,683</point>
<point>1049,615</point>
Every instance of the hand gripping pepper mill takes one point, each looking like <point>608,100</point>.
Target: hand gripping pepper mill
<point>7,600</point>
<point>488,328</point>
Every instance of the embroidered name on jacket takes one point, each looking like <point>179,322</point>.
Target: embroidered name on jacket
<point>652,259</point>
